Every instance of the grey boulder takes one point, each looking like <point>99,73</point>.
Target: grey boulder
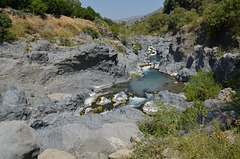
<point>75,138</point>
<point>120,130</point>
<point>178,100</point>
<point>18,141</point>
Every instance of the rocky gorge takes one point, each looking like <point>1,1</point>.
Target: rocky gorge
<point>44,90</point>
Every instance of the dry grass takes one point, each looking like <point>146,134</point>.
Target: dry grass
<point>63,26</point>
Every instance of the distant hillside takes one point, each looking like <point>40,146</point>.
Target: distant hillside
<point>137,18</point>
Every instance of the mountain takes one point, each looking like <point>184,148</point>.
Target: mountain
<point>137,18</point>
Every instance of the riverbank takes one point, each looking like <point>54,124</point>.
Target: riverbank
<point>48,86</point>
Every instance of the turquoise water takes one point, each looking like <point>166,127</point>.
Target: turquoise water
<point>139,89</point>
<point>152,81</point>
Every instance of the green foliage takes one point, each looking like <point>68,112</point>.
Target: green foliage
<point>170,5</point>
<point>20,13</point>
<point>169,121</point>
<point>3,3</point>
<point>90,31</point>
<point>202,86</point>
<point>163,123</point>
<point>57,7</point>
<point>38,6</point>
<point>48,37</point>
<point>180,17</point>
<point>137,46</point>
<point>5,23</point>
<point>167,130</point>
<point>66,42</point>
<point>160,23</point>
<point>124,39</point>
<point>135,75</point>
<point>217,144</point>
<point>195,145</point>
<point>89,13</point>
<point>223,17</point>
<point>234,83</point>
<point>115,30</point>
<point>120,49</point>
<point>236,100</point>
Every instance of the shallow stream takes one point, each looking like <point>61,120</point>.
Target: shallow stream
<point>141,89</point>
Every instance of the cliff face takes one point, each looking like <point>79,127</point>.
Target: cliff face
<point>182,57</point>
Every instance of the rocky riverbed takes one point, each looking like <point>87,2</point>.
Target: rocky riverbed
<point>44,89</point>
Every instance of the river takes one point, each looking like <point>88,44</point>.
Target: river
<point>141,89</point>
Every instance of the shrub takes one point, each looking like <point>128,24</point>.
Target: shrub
<point>90,31</point>
<point>233,82</point>
<point>180,17</point>
<point>48,37</point>
<point>202,86</point>
<point>115,30</point>
<point>5,23</point>
<point>137,47</point>
<point>163,123</point>
<point>177,130</point>
<point>66,42</point>
<point>20,13</point>
<point>169,121</point>
<point>120,49</point>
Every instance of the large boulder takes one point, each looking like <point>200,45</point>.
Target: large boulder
<point>178,100</point>
<point>75,138</point>
<point>18,141</point>
<point>120,130</point>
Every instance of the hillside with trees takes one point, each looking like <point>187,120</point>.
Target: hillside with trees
<point>219,18</point>
<point>56,7</point>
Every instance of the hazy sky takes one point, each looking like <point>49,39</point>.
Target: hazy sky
<point>118,9</point>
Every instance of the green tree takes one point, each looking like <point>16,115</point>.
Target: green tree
<point>59,7</point>
<point>223,17</point>
<point>170,5</point>
<point>38,7</point>
<point>5,23</point>
<point>3,3</point>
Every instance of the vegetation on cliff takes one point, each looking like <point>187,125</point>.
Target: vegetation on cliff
<point>5,23</point>
<point>218,16</point>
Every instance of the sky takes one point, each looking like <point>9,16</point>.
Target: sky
<point>119,9</point>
